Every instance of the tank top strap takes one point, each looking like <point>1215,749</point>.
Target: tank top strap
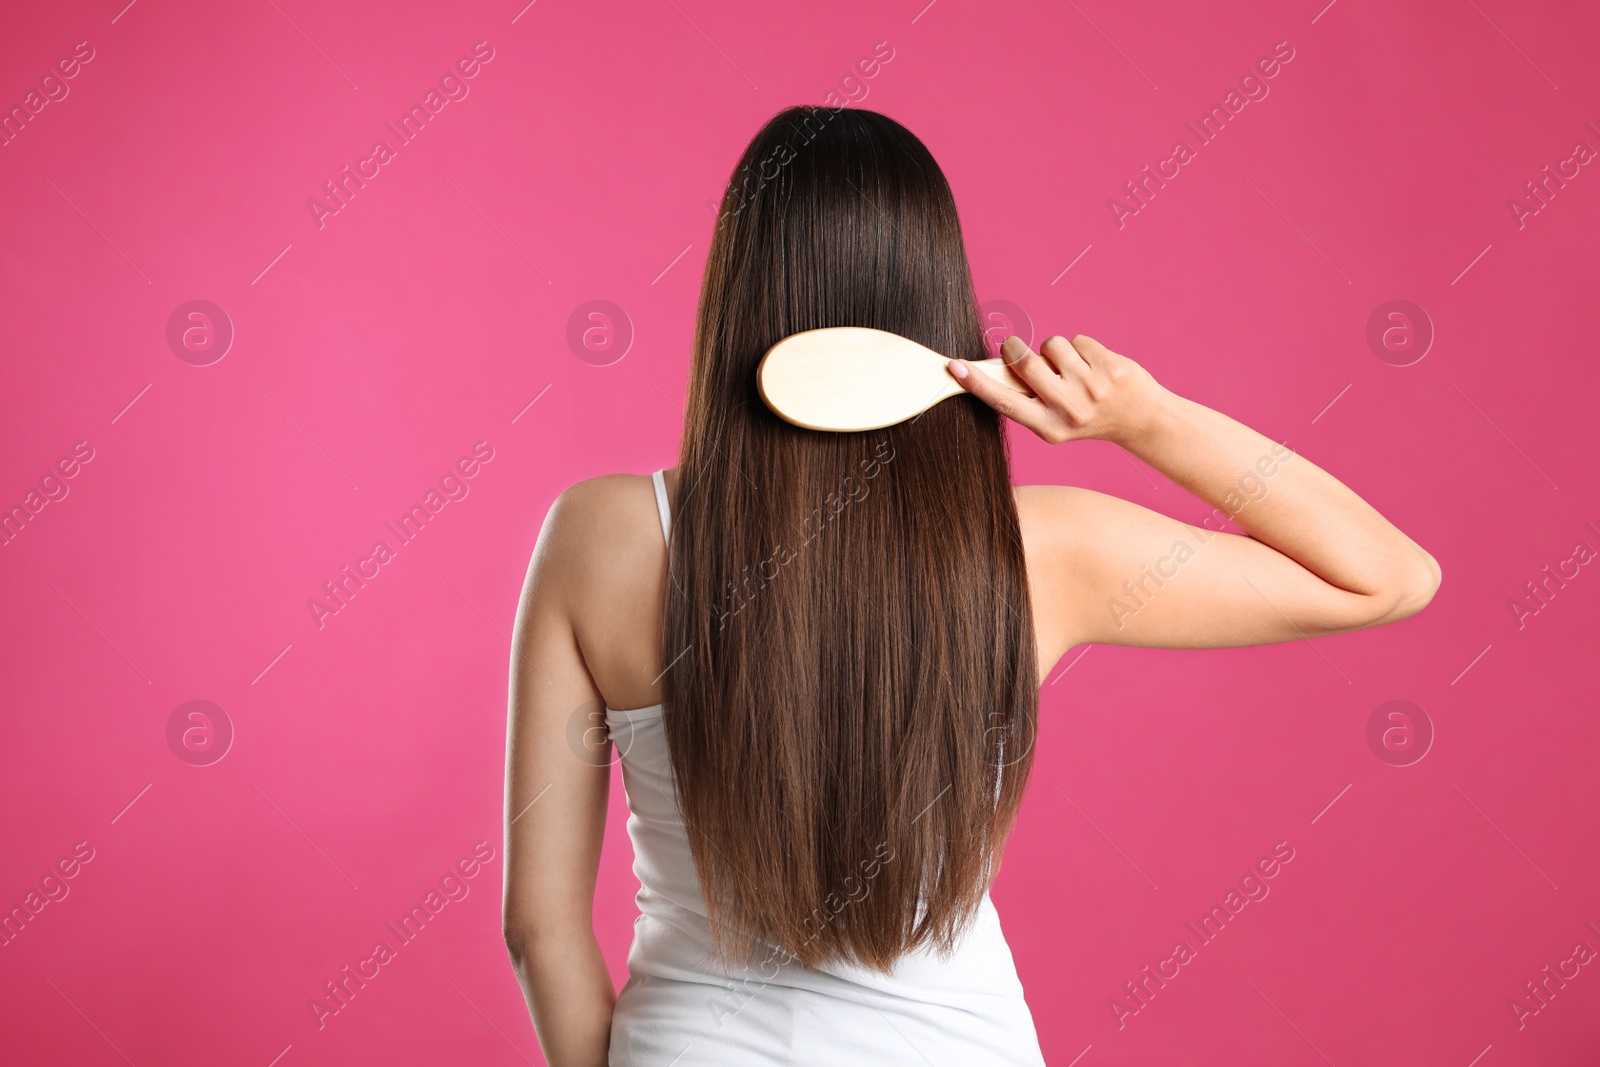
<point>660,480</point>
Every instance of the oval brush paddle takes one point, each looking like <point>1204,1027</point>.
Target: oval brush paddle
<point>846,378</point>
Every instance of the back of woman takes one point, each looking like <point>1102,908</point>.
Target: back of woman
<point>817,655</point>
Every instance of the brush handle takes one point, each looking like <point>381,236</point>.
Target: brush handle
<point>997,369</point>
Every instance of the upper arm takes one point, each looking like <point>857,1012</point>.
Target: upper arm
<point>557,774</point>
<point>1103,570</point>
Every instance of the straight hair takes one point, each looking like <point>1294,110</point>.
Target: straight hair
<point>851,695</point>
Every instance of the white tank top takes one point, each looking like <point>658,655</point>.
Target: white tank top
<point>680,1009</point>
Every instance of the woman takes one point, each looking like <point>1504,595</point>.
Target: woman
<point>818,655</point>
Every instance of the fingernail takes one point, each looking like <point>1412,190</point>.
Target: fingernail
<point>958,368</point>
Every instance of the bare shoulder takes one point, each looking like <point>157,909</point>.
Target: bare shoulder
<point>1063,527</point>
<point>1058,516</point>
<point>600,566</point>
<point>591,505</point>
<point>1040,499</point>
<point>596,528</point>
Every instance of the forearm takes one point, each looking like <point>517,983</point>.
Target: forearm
<point>1279,498</point>
<point>569,993</point>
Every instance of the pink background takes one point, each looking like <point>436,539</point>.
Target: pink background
<point>373,352</point>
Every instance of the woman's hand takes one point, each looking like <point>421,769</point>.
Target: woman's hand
<point>1081,389</point>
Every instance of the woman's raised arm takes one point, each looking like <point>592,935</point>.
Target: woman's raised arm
<point>1317,559</point>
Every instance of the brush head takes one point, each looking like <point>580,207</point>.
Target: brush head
<point>851,378</point>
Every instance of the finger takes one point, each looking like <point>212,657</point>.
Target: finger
<point>1018,348</point>
<point>1075,395</point>
<point>1065,395</point>
<point>1091,351</point>
<point>1026,410</point>
<point>1059,350</point>
<point>1032,369</point>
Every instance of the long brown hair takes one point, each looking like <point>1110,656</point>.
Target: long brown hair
<point>851,692</point>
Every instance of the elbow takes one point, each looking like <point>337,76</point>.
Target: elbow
<point>1413,591</point>
<point>516,946</point>
<point>527,937</point>
<point>519,939</point>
